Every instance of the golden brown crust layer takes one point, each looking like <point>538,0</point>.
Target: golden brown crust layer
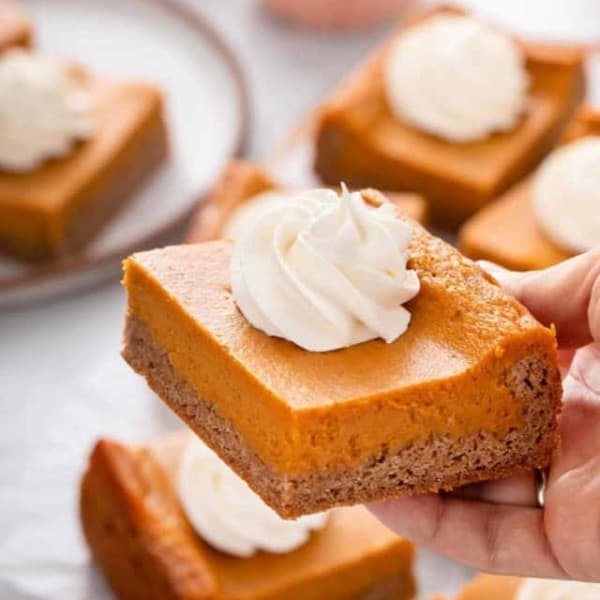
<point>439,463</point>
<point>59,207</point>
<point>146,549</point>
<point>359,140</point>
<point>507,231</point>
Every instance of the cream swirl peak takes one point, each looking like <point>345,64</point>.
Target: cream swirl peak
<point>456,78</point>
<point>566,195</point>
<point>43,111</point>
<point>326,271</point>
<point>227,514</point>
<point>549,589</point>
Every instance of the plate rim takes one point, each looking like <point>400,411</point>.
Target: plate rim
<point>81,263</point>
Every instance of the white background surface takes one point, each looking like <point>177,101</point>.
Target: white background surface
<point>62,381</point>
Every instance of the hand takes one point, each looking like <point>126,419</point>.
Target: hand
<point>497,526</point>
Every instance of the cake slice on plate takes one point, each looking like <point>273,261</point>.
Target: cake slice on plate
<point>75,148</point>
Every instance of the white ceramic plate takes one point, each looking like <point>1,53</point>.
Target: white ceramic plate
<point>207,115</point>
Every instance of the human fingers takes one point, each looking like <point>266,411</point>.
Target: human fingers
<point>518,490</point>
<point>566,295</point>
<point>491,537</point>
<point>579,421</point>
<point>571,519</point>
<point>565,358</point>
<point>573,493</point>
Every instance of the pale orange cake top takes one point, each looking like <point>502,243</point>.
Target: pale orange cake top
<point>458,318</point>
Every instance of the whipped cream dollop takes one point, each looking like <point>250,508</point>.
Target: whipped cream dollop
<point>548,589</point>
<point>326,271</point>
<point>566,195</point>
<point>227,514</point>
<point>43,111</point>
<point>252,209</point>
<point>456,78</point>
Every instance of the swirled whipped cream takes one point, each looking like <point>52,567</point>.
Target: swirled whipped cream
<point>549,589</point>
<point>456,78</point>
<point>326,271</point>
<point>227,514</point>
<point>43,111</point>
<point>566,195</point>
<point>252,209</point>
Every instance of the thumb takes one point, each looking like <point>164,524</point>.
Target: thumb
<point>566,295</point>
